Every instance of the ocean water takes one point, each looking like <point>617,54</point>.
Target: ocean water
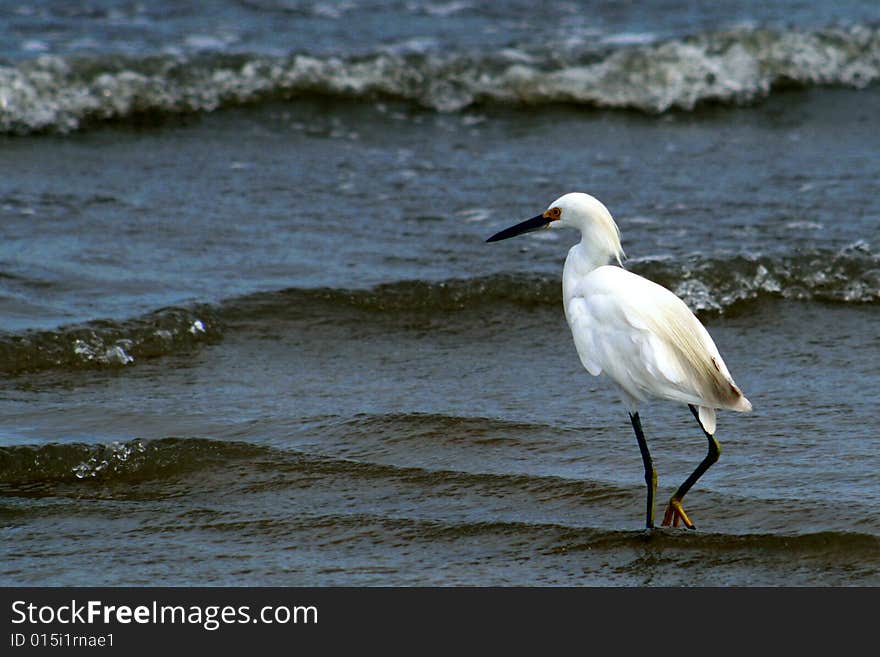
<point>251,332</point>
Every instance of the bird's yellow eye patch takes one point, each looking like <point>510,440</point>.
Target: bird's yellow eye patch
<point>553,214</point>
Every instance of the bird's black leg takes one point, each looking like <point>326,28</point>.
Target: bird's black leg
<point>674,507</point>
<point>650,472</point>
<point>711,457</point>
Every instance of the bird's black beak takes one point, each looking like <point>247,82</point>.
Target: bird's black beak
<point>527,226</point>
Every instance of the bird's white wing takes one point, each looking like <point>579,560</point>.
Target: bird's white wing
<point>584,326</point>
<point>607,340</point>
<point>610,337</point>
<point>647,340</point>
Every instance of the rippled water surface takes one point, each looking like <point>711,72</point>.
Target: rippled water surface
<point>251,333</point>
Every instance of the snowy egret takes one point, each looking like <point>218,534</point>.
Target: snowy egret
<point>639,333</point>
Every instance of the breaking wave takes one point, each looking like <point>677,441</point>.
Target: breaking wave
<point>851,275</point>
<point>108,343</point>
<point>708,285</point>
<point>32,468</point>
<point>714,285</point>
<point>740,66</point>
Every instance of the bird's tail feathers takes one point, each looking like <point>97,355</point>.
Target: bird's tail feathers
<point>707,419</point>
<point>742,404</point>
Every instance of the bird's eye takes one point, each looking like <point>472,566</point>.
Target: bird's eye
<point>555,213</point>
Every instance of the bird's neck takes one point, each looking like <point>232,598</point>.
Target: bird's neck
<point>600,242</point>
<point>582,259</point>
<point>587,255</point>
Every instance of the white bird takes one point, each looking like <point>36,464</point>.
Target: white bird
<point>639,333</point>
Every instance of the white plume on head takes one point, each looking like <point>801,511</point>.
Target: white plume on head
<point>590,215</point>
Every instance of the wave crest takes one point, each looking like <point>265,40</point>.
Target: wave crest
<point>32,468</point>
<point>707,285</point>
<point>60,95</point>
<point>718,284</point>
<point>851,275</point>
<point>108,343</point>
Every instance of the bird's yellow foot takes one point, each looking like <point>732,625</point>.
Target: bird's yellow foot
<point>674,513</point>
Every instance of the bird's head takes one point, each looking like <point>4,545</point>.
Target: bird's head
<point>574,210</point>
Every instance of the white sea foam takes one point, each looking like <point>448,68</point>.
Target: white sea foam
<point>737,66</point>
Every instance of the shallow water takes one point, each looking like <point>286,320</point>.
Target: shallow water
<point>261,340</point>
